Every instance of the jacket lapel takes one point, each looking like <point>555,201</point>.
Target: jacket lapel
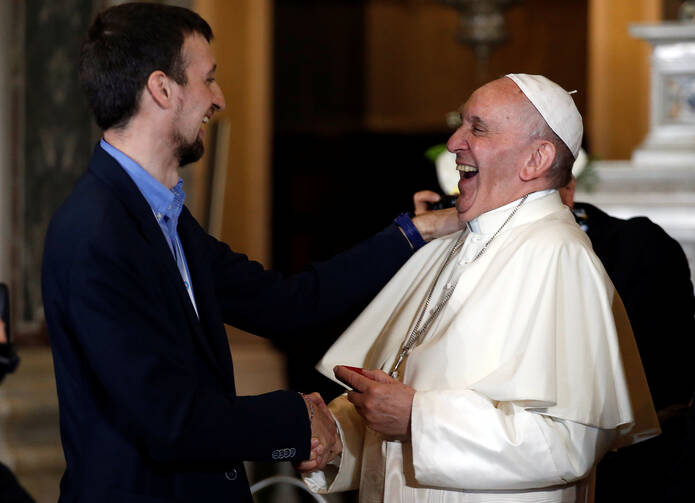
<point>107,169</point>
<point>204,291</point>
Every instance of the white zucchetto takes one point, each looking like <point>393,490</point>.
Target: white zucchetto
<point>555,105</point>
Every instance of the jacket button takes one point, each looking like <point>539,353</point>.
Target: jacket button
<point>231,475</point>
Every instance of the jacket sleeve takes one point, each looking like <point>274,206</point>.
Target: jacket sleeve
<point>254,299</point>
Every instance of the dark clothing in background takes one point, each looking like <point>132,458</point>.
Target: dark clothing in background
<point>651,274</point>
<point>680,483</point>
<point>10,490</point>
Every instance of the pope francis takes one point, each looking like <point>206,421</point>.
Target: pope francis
<point>503,364</point>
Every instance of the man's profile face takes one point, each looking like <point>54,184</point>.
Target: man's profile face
<point>198,99</point>
<point>493,145</point>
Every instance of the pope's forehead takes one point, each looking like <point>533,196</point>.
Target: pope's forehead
<point>499,95</point>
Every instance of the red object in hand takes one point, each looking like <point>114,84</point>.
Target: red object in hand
<point>359,370</point>
<point>354,369</point>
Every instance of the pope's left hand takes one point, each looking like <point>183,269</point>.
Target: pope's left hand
<point>383,402</point>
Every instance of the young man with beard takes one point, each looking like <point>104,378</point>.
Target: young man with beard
<point>503,365</point>
<point>136,293</point>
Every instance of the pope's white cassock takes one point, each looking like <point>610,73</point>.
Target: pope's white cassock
<point>527,377</point>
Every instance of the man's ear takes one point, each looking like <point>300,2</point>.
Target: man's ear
<point>159,88</point>
<point>539,162</point>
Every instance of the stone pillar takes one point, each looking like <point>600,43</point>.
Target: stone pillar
<point>58,136</point>
<point>5,147</point>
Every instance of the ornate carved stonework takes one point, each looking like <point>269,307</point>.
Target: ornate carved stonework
<point>671,137</point>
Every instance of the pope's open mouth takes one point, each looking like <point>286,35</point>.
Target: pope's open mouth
<point>467,170</point>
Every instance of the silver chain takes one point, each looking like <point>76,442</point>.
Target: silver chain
<point>418,332</point>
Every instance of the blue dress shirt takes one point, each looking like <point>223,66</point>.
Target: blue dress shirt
<point>166,205</point>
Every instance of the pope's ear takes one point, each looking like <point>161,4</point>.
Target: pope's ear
<point>159,88</point>
<point>539,162</point>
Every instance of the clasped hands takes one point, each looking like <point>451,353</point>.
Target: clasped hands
<point>325,440</point>
<point>383,402</point>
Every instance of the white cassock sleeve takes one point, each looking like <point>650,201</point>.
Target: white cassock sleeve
<point>463,440</point>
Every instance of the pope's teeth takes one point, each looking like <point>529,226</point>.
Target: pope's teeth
<point>466,168</point>
<point>205,120</point>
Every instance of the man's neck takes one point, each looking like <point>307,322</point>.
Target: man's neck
<point>149,148</point>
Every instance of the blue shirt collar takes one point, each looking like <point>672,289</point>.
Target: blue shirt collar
<point>166,203</point>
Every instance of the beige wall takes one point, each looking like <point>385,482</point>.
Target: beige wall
<point>243,51</point>
<point>242,48</point>
<point>618,102</point>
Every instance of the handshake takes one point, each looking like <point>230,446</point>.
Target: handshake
<point>325,440</point>
<point>383,402</point>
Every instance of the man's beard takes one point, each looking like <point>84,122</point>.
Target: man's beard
<point>188,152</point>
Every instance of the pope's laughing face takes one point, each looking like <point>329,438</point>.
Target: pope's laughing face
<point>492,145</point>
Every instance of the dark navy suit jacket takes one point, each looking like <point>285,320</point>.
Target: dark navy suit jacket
<point>651,274</point>
<point>148,407</point>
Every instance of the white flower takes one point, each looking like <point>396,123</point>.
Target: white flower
<point>447,175</point>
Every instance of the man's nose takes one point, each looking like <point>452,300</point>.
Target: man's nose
<point>218,98</point>
<point>457,141</point>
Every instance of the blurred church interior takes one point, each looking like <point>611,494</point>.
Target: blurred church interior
<point>331,105</point>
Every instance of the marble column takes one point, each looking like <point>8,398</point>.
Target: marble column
<point>5,147</point>
<point>58,132</point>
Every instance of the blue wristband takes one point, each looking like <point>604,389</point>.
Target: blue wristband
<point>406,224</point>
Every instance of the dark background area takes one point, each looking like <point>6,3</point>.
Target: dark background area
<point>334,182</point>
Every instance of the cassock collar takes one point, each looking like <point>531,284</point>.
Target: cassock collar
<point>489,222</point>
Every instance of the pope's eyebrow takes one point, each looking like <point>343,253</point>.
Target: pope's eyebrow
<point>212,70</point>
<point>478,122</point>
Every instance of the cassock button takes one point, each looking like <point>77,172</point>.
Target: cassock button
<point>231,475</point>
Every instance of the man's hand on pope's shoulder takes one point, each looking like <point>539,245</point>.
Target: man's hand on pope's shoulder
<point>325,441</point>
<point>433,224</point>
<point>383,402</point>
